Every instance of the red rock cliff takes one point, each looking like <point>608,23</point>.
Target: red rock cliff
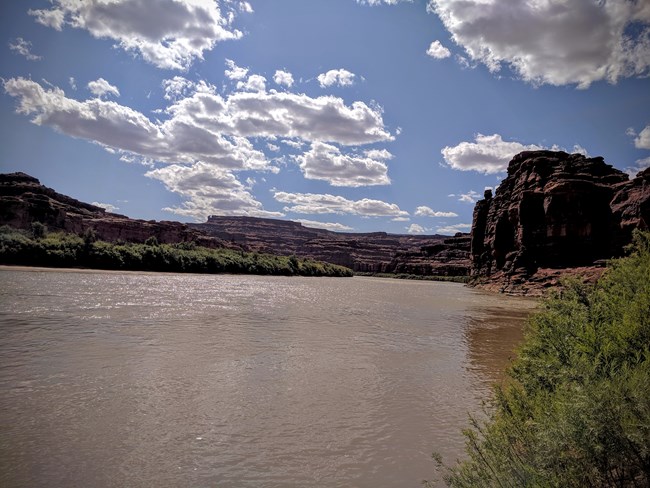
<point>555,211</point>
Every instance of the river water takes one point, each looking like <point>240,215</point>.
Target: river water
<point>111,379</point>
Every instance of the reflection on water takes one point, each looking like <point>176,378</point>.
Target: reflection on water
<point>135,379</point>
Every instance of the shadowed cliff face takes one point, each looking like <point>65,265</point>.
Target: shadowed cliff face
<point>555,211</point>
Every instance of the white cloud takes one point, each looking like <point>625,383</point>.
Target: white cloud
<point>283,78</point>
<point>416,229</point>
<point>328,163</point>
<point>178,140</point>
<point>273,147</point>
<point>340,77</point>
<point>254,83</point>
<point>400,219</point>
<point>205,126</point>
<point>310,203</point>
<point>469,197</point>
<point>106,206</point>
<point>171,35</point>
<point>428,212</point>
<point>72,82</point>
<point>640,165</point>
<point>209,190</point>
<point>284,114</point>
<point>453,229</point>
<point>554,42</point>
<point>642,141</point>
<point>235,72</point>
<point>293,144</point>
<point>101,87</point>
<point>23,47</point>
<point>333,226</point>
<point>438,51</point>
<point>488,154</point>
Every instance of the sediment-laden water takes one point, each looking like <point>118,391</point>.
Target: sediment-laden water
<point>167,380</point>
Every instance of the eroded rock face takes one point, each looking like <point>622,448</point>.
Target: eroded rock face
<point>555,211</point>
<point>24,200</point>
<point>376,252</point>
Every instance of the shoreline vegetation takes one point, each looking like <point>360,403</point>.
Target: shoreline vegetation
<point>407,276</point>
<point>61,250</point>
<point>574,409</point>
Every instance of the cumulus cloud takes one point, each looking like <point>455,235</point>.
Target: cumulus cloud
<point>24,48</point>
<point>453,229</point>
<point>416,229</point>
<point>101,88</point>
<point>642,141</point>
<point>469,197</point>
<point>283,78</point>
<point>202,126</point>
<point>326,162</point>
<point>333,226</point>
<point>209,190</point>
<point>170,36</point>
<point>438,51</point>
<point>122,128</point>
<point>310,203</point>
<point>558,43</point>
<point>424,211</point>
<point>487,154</point>
<point>286,115</point>
<point>340,77</point>
<point>106,206</point>
<point>235,72</point>
<point>254,83</point>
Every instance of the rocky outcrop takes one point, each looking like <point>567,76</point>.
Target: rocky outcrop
<point>376,252</point>
<point>24,200</point>
<point>555,211</point>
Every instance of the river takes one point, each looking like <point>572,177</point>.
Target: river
<point>119,379</point>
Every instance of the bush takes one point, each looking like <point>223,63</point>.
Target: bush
<point>66,250</point>
<point>576,411</point>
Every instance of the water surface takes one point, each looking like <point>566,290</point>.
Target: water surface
<point>145,379</point>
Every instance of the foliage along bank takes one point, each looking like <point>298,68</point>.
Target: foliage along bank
<point>576,408</point>
<point>59,250</point>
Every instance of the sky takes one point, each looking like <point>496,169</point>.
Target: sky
<point>349,115</point>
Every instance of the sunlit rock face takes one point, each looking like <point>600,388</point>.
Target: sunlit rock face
<point>556,210</point>
<point>24,200</point>
<point>374,252</point>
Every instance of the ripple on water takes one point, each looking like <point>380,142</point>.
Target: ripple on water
<point>134,379</point>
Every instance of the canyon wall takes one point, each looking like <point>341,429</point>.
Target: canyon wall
<point>555,213</point>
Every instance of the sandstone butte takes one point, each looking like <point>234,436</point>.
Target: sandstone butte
<point>24,200</point>
<point>555,214</point>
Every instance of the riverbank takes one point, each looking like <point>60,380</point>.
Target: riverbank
<point>60,250</point>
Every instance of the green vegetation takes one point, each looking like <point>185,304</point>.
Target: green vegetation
<point>59,250</point>
<point>576,409</point>
<point>406,276</point>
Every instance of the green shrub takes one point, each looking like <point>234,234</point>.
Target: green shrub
<point>67,250</point>
<point>576,411</point>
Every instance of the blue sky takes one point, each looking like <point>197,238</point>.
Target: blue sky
<point>345,114</point>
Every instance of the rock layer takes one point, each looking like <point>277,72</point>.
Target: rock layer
<point>555,211</point>
<point>376,252</point>
<point>24,200</point>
